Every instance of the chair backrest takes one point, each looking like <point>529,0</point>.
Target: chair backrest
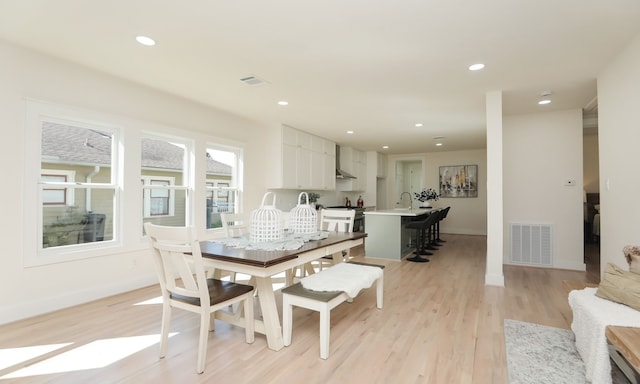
<point>432,218</point>
<point>337,220</point>
<point>234,224</point>
<point>178,260</point>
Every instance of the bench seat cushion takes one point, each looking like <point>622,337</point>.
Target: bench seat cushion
<point>345,277</point>
<point>298,290</point>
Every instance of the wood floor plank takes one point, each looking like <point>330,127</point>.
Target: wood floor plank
<point>439,324</point>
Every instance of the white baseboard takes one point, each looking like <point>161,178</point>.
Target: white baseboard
<point>463,231</point>
<point>69,299</point>
<point>569,265</point>
<point>556,265</point>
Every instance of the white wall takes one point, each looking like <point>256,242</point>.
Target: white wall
<point>542,152</point>
<point>467,215</point>
<point>619,137</point>
<point>25,74</point>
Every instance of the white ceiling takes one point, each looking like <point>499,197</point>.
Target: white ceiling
<point>373,66</point>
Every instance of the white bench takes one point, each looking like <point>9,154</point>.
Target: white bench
<point>321,301</point>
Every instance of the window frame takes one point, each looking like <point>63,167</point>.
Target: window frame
<point>69,177</point>
<point>147,193</point>
<point>187,142</point>
<point>36,254</point>
<point>216,188</point>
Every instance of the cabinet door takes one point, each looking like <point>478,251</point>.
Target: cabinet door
<point>289,136</point>
<point>329,171</point>
<point>303,140</point>
<point>303,171</point>
<point>330,148</point>
<point>382,165</point>
<point>289,166</point>
<point>317,170</point>
<point>362,177</point>
<point>318,144</point>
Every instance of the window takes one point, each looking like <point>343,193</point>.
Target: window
<point>75,178</point>
<point>165,181</point>
<point>77,192</point>
<point>222,183</point>
<point>159,204</point>
<point>158,201</point>
<point>53,195</point>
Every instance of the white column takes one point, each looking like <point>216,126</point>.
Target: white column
<point>495,221</point>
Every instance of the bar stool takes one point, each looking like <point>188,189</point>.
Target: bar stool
<point>421,227</point>
<point>443,215</point>
<point>431,243</point>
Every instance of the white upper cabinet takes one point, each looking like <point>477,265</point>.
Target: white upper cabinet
<point>308,161</point>
<point>354,162</point>
<point>381,171</point>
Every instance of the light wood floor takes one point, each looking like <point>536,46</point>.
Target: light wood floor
<point>439,324</point>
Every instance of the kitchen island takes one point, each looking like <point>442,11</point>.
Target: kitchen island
<point>387,237</point>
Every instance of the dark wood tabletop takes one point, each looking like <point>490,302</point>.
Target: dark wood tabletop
<point>219,251</point>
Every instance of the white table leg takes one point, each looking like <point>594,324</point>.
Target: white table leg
<point>270,315</point>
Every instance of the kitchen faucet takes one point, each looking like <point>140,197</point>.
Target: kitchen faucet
<point>410,199</point>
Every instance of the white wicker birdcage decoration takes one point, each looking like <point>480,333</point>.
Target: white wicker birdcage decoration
<point>303,218</point>
<point>267,222</point>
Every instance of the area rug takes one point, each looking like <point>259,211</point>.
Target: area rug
<point>538,354</point>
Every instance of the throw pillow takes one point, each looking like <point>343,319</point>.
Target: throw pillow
<point>632,253</point>
<point>620,286</point>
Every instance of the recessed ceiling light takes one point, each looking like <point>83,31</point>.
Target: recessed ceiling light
<point>385,147</point>
<point>439,144</point>
<point>545,97</point>
<point>476,67</point>
<point>283,102</point>
<point>418,124</point>
<point>144,40</point>
<point>350,132</point>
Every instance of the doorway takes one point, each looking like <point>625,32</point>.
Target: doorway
<point>591,185</point>
<point>408,177</point>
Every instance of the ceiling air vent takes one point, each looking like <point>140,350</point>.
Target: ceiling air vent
<point>253,80</point>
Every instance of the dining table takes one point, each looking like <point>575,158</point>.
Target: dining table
<point>263,265</point>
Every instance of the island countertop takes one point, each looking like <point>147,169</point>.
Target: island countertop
<point>400,212</point>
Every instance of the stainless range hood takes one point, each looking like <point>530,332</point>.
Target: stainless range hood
<point>340,174</point>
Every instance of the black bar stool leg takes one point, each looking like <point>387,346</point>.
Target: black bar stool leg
<point>438,239</point>
<point>431,245</point>
<point>420,250</point>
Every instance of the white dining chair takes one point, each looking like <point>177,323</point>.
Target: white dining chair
<point>234,224</point>
<point>178,259</point>
<point>331,220</point>
<point>337,220</point>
